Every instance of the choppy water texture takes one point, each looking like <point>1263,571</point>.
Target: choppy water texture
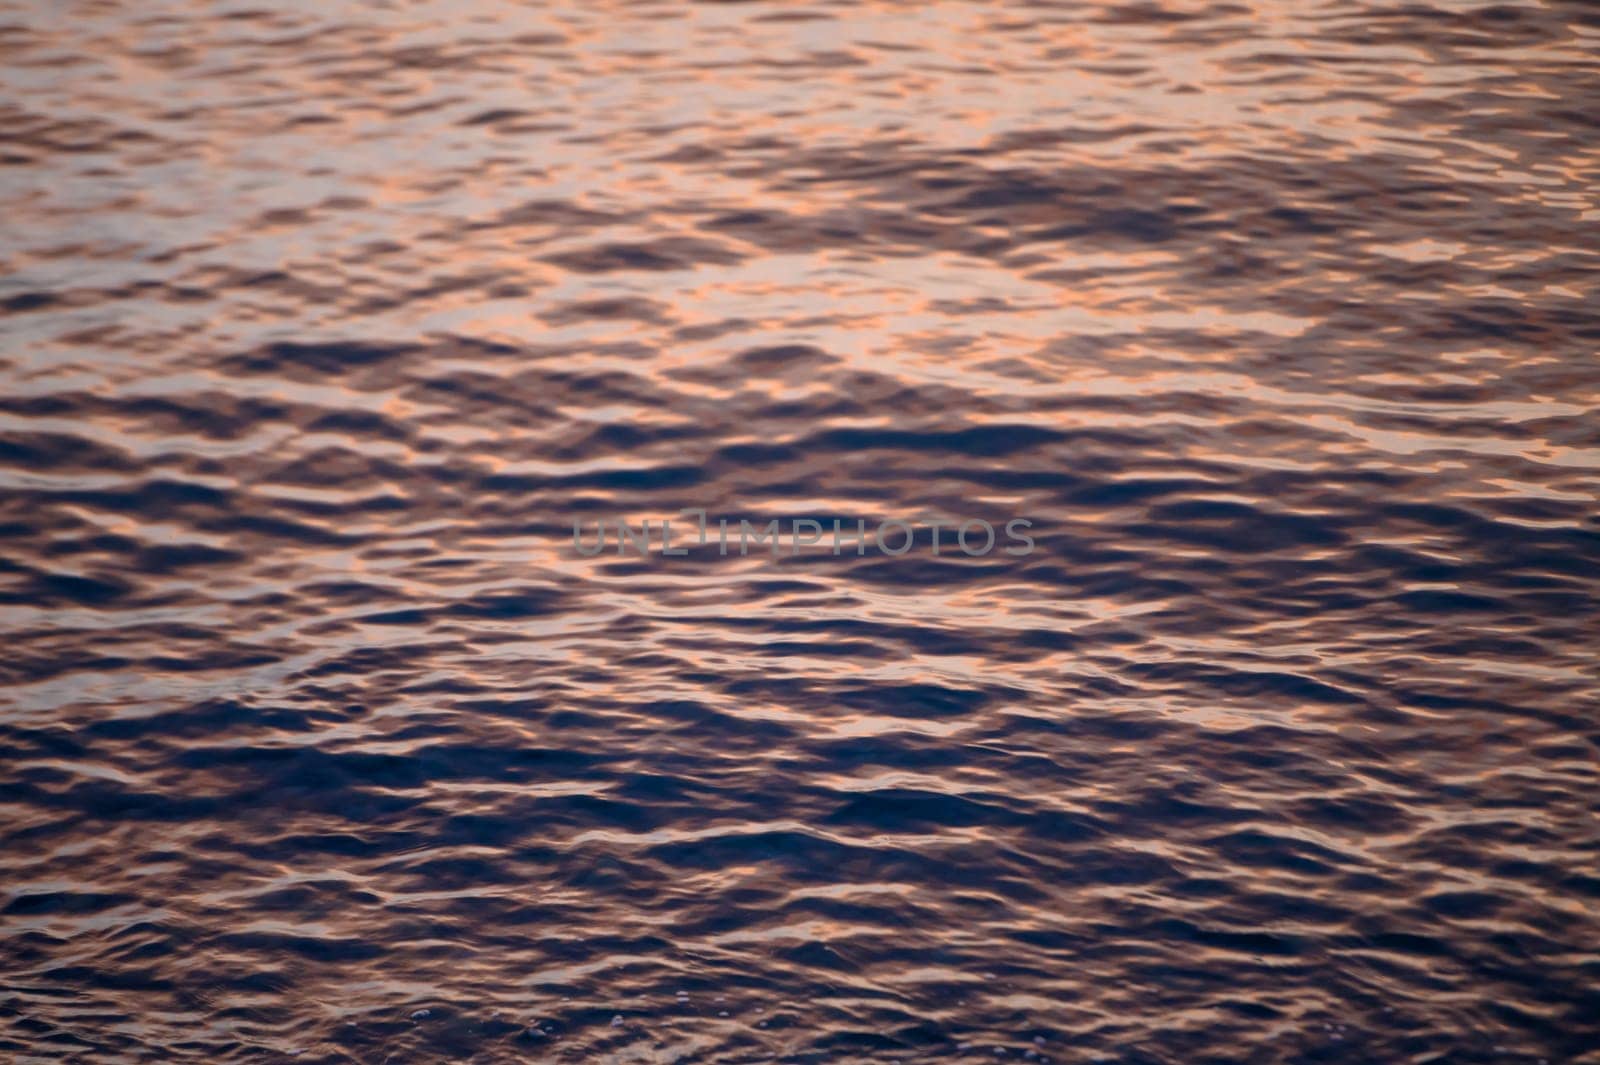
<point>323,322</point>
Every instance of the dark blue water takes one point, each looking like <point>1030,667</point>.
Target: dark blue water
<point>323,323</point>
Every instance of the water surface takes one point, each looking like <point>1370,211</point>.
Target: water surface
<point>324,322</point>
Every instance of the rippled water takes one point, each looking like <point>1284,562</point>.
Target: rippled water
<point>325,322</point>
